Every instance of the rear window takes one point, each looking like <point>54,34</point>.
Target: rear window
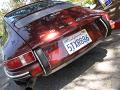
<point>31,8</point>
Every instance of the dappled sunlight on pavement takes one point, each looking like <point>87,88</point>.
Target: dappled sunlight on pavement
<point>106,67</point>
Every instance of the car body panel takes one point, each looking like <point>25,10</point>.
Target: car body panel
<point>15,45</point>
<point>33,32</point>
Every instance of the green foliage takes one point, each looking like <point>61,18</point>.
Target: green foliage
<point>1,33</point>
<point>82,2</point>
<point>88,1</point>
<point>12,4</point>
<point>16,0</point>
<point>2,13</point>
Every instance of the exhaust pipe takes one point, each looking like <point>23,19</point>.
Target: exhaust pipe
<point>31,83</point>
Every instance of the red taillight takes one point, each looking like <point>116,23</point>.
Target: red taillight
<point>13,64</point>
<point>29,57</point>
<point>20,61</point>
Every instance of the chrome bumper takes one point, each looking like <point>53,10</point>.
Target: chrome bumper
<point>19,76</point>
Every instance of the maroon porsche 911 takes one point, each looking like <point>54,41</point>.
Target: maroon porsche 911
<point>45,36</point>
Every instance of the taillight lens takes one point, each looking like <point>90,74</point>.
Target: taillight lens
<point>13,64</point>
<point>29,57</point>
<point>20,61</point>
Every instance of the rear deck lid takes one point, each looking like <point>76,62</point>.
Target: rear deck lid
<point>39,30</point>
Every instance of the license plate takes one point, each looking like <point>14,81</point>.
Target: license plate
<point>76,41</point>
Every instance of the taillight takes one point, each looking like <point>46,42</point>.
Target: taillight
<point>20,61</point>
<point>13,64</point>
<point>29,57</point>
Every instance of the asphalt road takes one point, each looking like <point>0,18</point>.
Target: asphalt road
<point>99,69</point>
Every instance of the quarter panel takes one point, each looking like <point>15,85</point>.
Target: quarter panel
<point>15,45</point>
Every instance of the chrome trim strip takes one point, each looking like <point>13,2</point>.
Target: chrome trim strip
<point>20,76</point>
<point>26,20</point>
<point>105,26</point>
<point>63,65</point>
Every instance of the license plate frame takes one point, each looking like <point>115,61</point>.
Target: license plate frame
<point>76,41</point>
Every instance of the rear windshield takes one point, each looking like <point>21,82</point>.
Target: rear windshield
<point>31,8</point>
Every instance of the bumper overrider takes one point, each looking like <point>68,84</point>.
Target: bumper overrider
<point>18,76</point>
<point>44,63</point>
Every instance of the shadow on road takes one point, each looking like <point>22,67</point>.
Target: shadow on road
<point>64,76</point>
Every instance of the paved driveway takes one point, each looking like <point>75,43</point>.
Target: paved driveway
<point>99,69</point>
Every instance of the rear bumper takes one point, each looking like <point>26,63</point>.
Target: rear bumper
<point>24,75</point>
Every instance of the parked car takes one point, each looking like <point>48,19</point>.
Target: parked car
<point>45,36</point>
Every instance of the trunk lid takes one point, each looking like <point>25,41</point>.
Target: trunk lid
<point>54,26</point>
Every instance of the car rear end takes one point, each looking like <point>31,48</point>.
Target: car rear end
<point>68,46</point>
<point>54,40</point>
